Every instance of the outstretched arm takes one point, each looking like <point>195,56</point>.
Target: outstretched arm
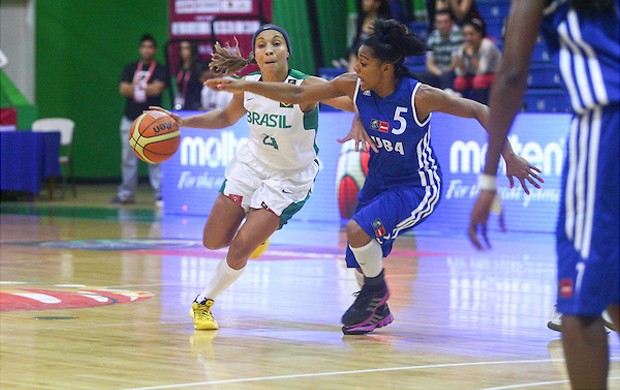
<point>506,96</point>
<point>343,102</point>
<point>429,99</point>
<point>343,85</point>
<point>216,119</point>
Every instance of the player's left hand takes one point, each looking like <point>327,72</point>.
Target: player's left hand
<point>520,168</point>
<point>225,84</point>
<point>174,116</point>
<point>479,217</point>
<point>360,136</point>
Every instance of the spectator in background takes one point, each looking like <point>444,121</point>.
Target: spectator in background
<point>369,11</point>
<point>476,62</point>
<point>142,83</point>
<point>445,42</point>
<point>213,99</point>
<point>188,78</point>
<point>463,10</point>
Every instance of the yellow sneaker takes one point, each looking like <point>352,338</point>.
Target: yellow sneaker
<point>258,252</point>
<point>201,313</point>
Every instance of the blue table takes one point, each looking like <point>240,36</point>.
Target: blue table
<point>27,158</point>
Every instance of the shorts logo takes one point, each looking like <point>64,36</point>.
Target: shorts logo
<point>379,229</point>
<point>566,288</point>
<point>236,198</point>
<point>378,125</point>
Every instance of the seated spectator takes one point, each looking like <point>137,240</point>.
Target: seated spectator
<point>463,10</point>
<point>369,10</point>
<point>188,78</point>
<point>210,98</point>
<point>476,62</point>
<point>445,42</point>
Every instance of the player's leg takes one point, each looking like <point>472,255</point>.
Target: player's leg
<point>227,214</point>
<point>587,246</point>
<point>586,351</point>
<point>259,226</point>
<point>224,220</point>
<point>369,310</point>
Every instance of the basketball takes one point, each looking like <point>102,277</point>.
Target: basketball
<point>350,177</point>
<point>154,136</point>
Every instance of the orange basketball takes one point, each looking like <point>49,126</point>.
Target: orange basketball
<point>154,136</point>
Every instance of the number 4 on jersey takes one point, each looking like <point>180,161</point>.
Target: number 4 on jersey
<point>270,141</point>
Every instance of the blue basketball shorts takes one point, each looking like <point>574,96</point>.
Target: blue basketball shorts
<point>588,227</point>
<point>385,215</point>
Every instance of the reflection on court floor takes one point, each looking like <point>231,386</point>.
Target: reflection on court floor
<point>463,319</point>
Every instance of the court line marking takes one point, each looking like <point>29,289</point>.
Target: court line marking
<point>318,374</point>
<point>534,384</point>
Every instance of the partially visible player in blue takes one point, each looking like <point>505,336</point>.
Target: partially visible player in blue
<point>403,185</point>
<point>583,38</point>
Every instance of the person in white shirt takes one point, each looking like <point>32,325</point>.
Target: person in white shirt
<point>211,99</point>
<point>476,62</point>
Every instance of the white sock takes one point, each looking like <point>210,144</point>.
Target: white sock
<point>359,278</point>
<point>370,258</point>
<point>223,277</point>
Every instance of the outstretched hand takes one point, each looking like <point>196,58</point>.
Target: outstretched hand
<point>487,201</point>
<point>520,168</point>
<point>224,84</point>
<point>360,136</point>
<point>174,116</point>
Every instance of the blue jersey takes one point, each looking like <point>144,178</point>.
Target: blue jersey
<point>405,155</point>
<point>587,52</point>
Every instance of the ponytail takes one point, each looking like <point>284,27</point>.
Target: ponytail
<point>227,62</point>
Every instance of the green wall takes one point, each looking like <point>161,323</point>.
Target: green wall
<point>81,48</point>
<point>331,31</point>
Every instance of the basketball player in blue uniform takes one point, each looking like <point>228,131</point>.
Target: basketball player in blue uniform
<point>583,39</point>
<point>403,185</point>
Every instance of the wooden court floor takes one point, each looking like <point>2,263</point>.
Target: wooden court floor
<point>97,297</point>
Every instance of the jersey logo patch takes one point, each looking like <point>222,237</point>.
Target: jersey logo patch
<point>566,288</point>
<point>378,125</point>
<point>238,199</point>
<point>379,229</point>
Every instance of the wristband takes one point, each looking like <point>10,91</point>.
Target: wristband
<point>487,182</point>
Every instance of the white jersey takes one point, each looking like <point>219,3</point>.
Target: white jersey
<point>282,136</point>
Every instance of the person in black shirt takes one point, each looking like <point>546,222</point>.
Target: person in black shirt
<point>188,77</point>
<point>142,83</point>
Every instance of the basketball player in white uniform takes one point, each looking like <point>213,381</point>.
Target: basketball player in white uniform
<point>271,177</point>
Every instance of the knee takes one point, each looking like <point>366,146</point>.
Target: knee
<point>356,236</point>
<point>237,258</point>
<point>213,244</point>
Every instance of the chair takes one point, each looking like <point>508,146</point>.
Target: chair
<point>65,126</point>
